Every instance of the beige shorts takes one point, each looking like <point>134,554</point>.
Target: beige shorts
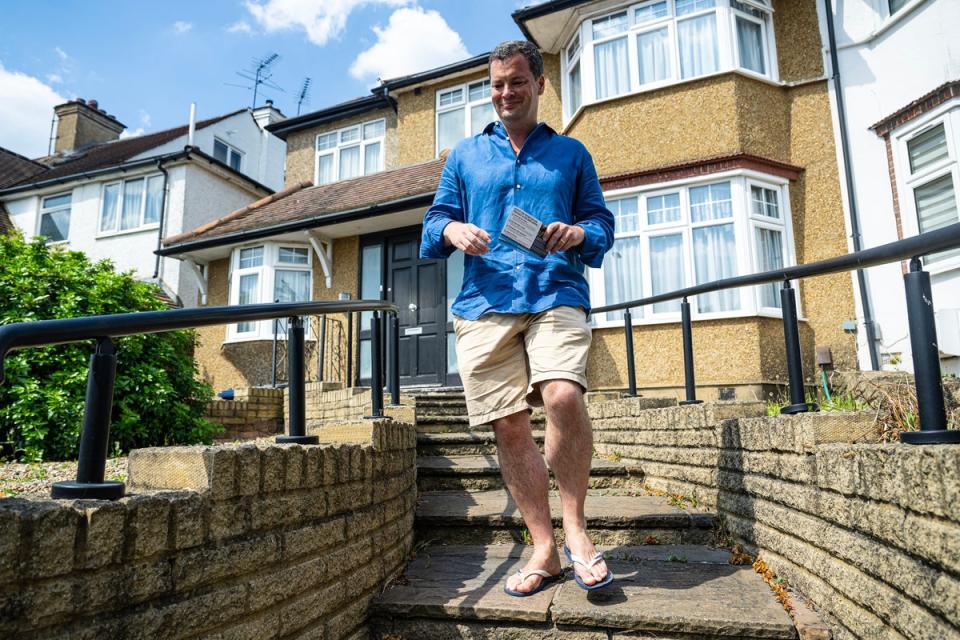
<point>501,357</point>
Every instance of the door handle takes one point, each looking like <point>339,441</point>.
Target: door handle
<point>412,307</point>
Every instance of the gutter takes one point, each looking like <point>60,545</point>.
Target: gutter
<point>163,212</point>
<point>868,323</point>
<point>520,16</point>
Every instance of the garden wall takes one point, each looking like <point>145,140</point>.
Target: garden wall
<point>869,532</point>
<point>253,413</point>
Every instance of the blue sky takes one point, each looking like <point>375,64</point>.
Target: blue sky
<point>144,62</point>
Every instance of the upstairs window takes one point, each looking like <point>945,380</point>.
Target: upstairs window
<point>461,112</point>
<point>658,42</point>
<point>131,204</point>
<point>350,152</point>
<point>55,217</point>
<point>227,154</point>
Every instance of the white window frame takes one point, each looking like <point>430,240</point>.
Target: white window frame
<point>464,103</point>
<point>44,210</point>
<point>360,142</point>
<point>266,283</point>
<point>727,45</point>
<point>231,150</point>
<point>745,224</point>
<point>947,114</point>
<point>116,230</point>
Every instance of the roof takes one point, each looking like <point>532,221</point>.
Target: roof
<point>304,208</point>
<point>522,16</point>
<point>6,225</point>
<point>918,107</point>
<point>15,168</point>
<point>352,107</point>
<point>431,74</point>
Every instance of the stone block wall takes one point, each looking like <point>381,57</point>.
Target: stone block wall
<point>253,413</point>
<point>233,541</point>
<point>325,405</point>
<point>869,532</point>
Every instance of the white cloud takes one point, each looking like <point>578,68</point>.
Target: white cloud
<point>181,27</point>
<point>61,53</point>
<point>54,78</point>
<point>320,19</point>
<point>26,108</point>
<point>145,118</point>
<point>127,133</point>
<point>413,40</point>
<point>240,26</point>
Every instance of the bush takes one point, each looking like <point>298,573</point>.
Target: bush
<point>158,399</point>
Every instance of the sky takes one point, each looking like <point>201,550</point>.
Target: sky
<point>145,62</point>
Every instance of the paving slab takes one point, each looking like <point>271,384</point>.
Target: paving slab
<point>488,464</point>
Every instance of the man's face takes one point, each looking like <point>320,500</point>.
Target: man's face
<point>515,92</point>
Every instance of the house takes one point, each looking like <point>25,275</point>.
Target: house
<point>709,122</point>
<point>14,168</point>
<point>115,198</point>
<point>899,74</point>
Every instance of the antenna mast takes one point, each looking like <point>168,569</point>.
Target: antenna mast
<point>304,96</point>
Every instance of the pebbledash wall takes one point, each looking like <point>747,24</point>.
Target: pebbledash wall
<point>258,541</point>
<point>869,532</point>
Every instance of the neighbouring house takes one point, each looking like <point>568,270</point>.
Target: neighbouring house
<point>14,168</point>
<point>710,125</point>
<point>113,197</point>
<point>899,72</point>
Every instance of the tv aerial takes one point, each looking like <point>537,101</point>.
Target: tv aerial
<point>303,96</point>
<point>260,72</point>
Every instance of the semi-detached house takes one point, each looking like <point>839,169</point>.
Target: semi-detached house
<point>709,122</point>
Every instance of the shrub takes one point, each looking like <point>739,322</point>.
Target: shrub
<point>158,399</point>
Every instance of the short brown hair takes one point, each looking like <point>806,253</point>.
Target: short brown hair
<point>524,48</point>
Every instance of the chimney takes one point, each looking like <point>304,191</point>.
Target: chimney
<point>267,114</point>
<point>81,123</point>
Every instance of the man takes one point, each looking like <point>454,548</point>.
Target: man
<point>520,319</point>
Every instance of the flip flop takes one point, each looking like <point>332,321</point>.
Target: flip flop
<point>548,580</point>
<point>587,563</point>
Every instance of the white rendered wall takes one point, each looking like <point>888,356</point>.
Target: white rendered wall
<point>885,64</point>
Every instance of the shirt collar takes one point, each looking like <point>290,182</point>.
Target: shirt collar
<point>496,128</point>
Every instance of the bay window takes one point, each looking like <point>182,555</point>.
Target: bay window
<point>350,152</point>
<point>55,217</point>
<point>461,112</point>
<point>131,204</point>
<point>657,42</point>
<point>672,237</point>
<point>268,273</point>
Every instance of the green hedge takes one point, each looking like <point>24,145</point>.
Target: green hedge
<point>158,399</point>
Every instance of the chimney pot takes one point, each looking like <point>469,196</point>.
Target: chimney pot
<point>81,101</point>
<point>92,104</point>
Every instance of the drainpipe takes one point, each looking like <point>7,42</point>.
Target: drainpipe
<point>163,210</point>
<point>868,323</point>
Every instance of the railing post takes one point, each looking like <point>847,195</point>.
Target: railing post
<point>394,381</point>
<point>926,361</point>
<point>276,328</point>
<point>95,437</point>
<point>350,381</point>
<point>376,366</point>
<point>791,337</point>
<point>296,383</point>
<point>631,370</point>
<point>689,380</point>
<point>323,347</point>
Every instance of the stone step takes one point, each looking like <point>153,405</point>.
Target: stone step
<point>482,473</point>
<point>463,443</point>
<point>668,591</point>
<point>487,517</point>
<point>432,423</point>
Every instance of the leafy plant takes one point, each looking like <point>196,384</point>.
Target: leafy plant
<point>158,399</point>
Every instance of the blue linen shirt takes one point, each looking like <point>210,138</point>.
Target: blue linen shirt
<point>552,179</point>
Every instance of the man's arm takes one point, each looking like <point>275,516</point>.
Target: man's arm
<point>592,230</point>
<point>444,229</point>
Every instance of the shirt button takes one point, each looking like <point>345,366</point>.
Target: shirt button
<point>518,268</point>
<point>518,186</point>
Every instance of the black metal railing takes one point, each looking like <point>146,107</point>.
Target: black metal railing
<point>923,332</point>
<point>95,433</point>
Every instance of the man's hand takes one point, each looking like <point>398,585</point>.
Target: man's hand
<point>560,236</point>
<point>469,238</point>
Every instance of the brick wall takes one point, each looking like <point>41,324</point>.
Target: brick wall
<point>869,532</point>
<point>256,541</point>
<point>325,405</point>
<point>253,413</point>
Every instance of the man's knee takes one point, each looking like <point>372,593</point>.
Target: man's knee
<point>562,395</point>
<point>512,428</point>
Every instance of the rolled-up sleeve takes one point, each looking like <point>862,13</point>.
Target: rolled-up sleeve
<point>592,215</point>
<point>447,207</point>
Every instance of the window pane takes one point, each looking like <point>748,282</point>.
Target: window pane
<point>936,208</point>
<point>480,116</point>
<point>621,274</point>
<point>349,163</point>
<point>764,202</point>
<point>252,257</point>
<point>249,288</point>
<point>371,158</point>
<point>611,68</point>
<point>651,12</point>
<point>132,201</point>
<point>746,8</point>
<point>57,201</point>
<point>769,257</point>
<point>55,226</point>
<point>220,151</point>
<point>896,5</point>
<point>452,352</point>
<point>294,255</point>
<point>235,159</point>
<point>453,96</point>
<point>370,267</point>
<point>715,257</point>
<point>108,211</point>
<point>610,25</point>
<point>689,6</point>
<point>699,52</point>
<point>326,141</point>
<point>574,48</point>
<point>626,214</point>
<point>665,208</point>
<point>653,54</point>
<point>750,43</point>
<point>575,92</point>
<point>154,200</point>
<point>291,286</point>
<point>454,280</point>
<point>711,202</point>
<point>479,90</point>
<point>326,171</point>
<point>365,358</point>
<point>449,129</point>
<point>666,269</point>
<point>349,135</point>
<point>928,148</point>
<point>373,130</point>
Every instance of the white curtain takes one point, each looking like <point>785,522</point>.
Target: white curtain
<point>625,213</point>
<point>621,273</point>
<point>349,163</point>
<point>108,215</point>
<point>249,284</point>
<point>326,171</point>
<point>715,257</point>
<point>699,52</point>
<point>750,42</point>
<point>576,98</point>
<point>665,208</point>
<point>154,200</point>
<point>711,202</point>
<point>132,200</point>
<point>480,116</point>
<point>371,158</point>
<point>769,257</point>
<point>654,55</point>
<point>449,129</point>
<point>291,286</point>
<point>666,269</point>
<point>611,67</point>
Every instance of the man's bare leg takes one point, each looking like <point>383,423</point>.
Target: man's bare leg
<point>569,448</point>
<point>525,475</point>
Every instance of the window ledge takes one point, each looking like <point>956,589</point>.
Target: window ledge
<point>127,232</point>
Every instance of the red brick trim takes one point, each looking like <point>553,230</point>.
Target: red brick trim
<point>918,107</point>
<point>892,172</point>
<point>700,168</point>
